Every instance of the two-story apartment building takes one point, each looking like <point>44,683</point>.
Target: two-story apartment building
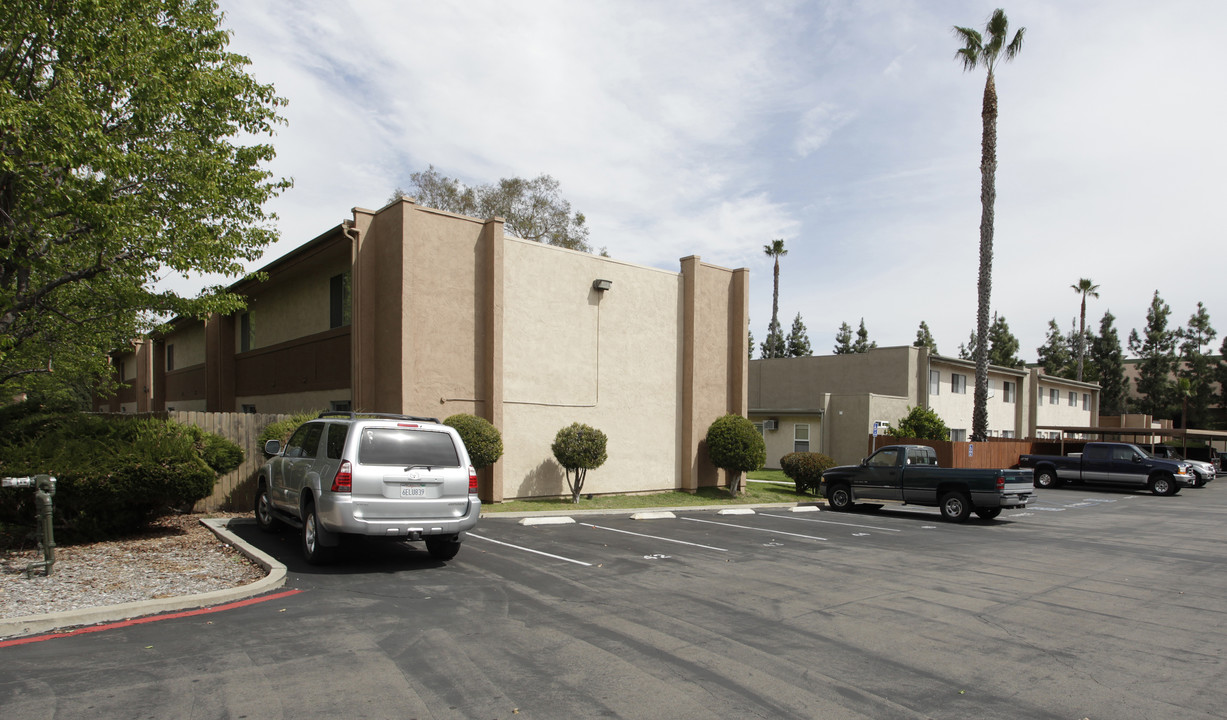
<point>413,310</point>
<point>833,403</point>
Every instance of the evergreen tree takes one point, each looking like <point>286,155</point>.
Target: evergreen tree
<point>1197,367</point>
<point>924,338</point>
<point>843,339</point>
<point>750,341</point>
<point>1054,355</point>
<point>968,351</point>
<point>1002,345</point>
<point>774,346</point>
<point>862,344</point>
<point>798,340</point>
<point>1108,359</point>
<point>1157,351</point>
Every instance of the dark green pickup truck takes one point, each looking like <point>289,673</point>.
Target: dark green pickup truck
<point>909,475</point>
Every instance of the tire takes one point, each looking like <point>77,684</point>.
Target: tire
<point>443,547</point>
<point>1046,479</point>
<point>1198,481</point>
<point>839,498</point>
<point>955,507</point>
<point>988,513</point>
<point>265,519</point>
<point>1163,485</point>
<point>312,550</point>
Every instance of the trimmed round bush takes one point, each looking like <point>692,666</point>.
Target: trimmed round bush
<point>733,444</point>
<point>481,438</point>
<point>579,448</point>
<point>805,469</point>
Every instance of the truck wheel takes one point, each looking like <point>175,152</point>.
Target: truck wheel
<point>955,507</point>
<point>840,498</point>
<point>1163,485</point>
<point>1046,479</point>
<point>443,547</point>
<point>265,520</point>
<point>312,550</point>
<point>988,513</point>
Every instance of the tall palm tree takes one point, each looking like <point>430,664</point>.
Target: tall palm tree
<point>977,52</point>
<point>775,250</point>
<point>1084,287</point>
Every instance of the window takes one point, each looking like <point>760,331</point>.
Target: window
<point>337,432</point>
<point>250,409</point>
<point>120,368</point>
<point>1007,390</point>
<point>935,382</point>
<point>245,332</point>
<point>1040,396</point>
<point>340,406</point>
<point>1054,397</point>
<point>1073,399</point>
<point>800,437</point>
<point>1007,434</point>
<point>305,442</point>
<point>339,300</point>
<point>958,435</point>
<point>386,446</point>
<point>958,384</point>
<point>1086,401</point>
<point>884,458</point>
<point>170,358</point>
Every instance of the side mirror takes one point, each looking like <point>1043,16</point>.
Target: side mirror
<point>1137,458</point>
<point>272,447</point>
<point>864,462</point>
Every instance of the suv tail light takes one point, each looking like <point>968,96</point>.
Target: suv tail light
<point>472,481</point>
<point>344,481</point>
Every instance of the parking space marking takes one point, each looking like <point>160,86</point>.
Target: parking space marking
<point>518,547</point>
<point>832,522</point>
<point>653,537</point>
<point>747,527</point>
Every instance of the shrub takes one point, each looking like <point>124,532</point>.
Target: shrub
<point>734,445</point>
<point>805,469</point>
<point>480,437</point>
<point>579,448</point>
<point>282,429</point>
<point>922,424</point>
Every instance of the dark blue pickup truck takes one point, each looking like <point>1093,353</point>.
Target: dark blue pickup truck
<point>1110,463</point>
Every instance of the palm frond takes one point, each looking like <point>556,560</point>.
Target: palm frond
<point>998,25</point>
<point>1015,45</point>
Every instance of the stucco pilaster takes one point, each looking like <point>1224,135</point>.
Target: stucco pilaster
<point>491,480</point>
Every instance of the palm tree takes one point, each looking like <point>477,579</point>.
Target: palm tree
<point>775,250</point>
<point>974,53</point>
<point>1084,287</point>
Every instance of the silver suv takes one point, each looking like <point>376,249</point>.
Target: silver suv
<point>374,474</point>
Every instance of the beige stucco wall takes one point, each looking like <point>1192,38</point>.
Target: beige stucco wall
<point>1062,414</point>
<point>294,303</point>
<point>607,359</point>
<point>287,403</point>
<point>780,442</point>
<point>956,410</point>
<point>189,344</point>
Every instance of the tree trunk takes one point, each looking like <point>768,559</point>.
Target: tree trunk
<point>775,306</point>
<point>1081,336</point>
<point>988,195</point>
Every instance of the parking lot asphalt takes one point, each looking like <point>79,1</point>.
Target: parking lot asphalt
<point>1090,604</point>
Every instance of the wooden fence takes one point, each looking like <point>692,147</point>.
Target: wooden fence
<point>994,453</point>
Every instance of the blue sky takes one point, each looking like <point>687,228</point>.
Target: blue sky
<point>845,128</point>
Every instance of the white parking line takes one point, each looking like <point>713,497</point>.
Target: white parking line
<point>831,522</point>
<point>517,547</point>
<point>653,537</point>
<point>747,527</point>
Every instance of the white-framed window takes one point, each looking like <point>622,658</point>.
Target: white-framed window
<point>1054,396</point>
<point>1007,390</point>
<point>958,384</point>
<point>958,434</point>
<point>759,427</point>
<point>1007,434</point>
<point>1086,401</point>
<point>1073,398</point>
<point>1039,397</point>
<point>935,382</point>
<point>800,437</point>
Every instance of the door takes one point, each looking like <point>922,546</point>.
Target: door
<point>879,478</point>
<point>1128,467</point>
<point>1097,463</point>
<point>297,464</point>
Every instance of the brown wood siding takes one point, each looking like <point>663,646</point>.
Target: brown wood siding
<point>316,362</point>
<point>185,384</point>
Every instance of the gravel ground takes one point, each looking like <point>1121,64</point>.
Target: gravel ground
<point>177,556</point>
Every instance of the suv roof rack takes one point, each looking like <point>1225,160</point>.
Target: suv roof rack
<point>382,416</point>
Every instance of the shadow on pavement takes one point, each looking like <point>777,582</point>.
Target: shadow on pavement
<point>355,555</point>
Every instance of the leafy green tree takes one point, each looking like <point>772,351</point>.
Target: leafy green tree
<point>1084,288</point>
<point>1003,346</point>
<point>798,339</point>
<point>774,335</point>
<point>1108,360</point>
<point>774,346</point>
<point>863,344</point>
<point>579,448</point>
<point>1157,350</point>
<point>129,150</point>
<point>1196,367</point>
<point>1054,355</point>
<point>480,437</point>
<point>924,338</point>
<point>531,209</point>
<point>920,423</point>
<point>843,340</point>
<point>734,445</point>
<point>750,341</point>
<point>978,52</point>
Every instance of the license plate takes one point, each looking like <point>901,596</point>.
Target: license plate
<point>413,491</point>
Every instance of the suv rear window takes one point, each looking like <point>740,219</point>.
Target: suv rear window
<point>408,448</point>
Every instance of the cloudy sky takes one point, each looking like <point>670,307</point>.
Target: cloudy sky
<point>846,128</point>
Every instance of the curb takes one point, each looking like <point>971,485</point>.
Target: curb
<point>31,624</point>
<point>631,511</point>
